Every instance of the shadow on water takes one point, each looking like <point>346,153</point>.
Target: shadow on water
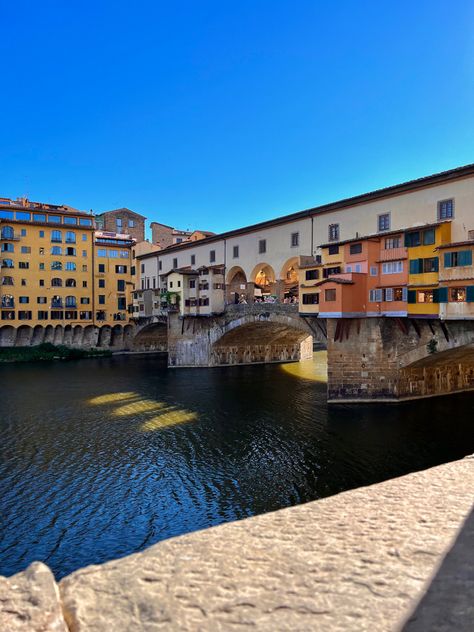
<point>101,458</point>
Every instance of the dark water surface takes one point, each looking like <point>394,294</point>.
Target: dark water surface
<point>101,458</point>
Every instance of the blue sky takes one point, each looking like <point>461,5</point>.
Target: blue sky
<point>214,115</point>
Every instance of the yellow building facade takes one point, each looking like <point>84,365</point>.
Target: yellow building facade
<point>59,275</point>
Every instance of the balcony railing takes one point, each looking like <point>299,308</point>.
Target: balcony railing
<point>9,236</point>
<point>56,304</point>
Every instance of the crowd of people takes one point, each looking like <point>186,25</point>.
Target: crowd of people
<point>288,300</point>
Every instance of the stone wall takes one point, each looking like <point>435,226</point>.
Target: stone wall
<point>390,359</point>
<point>394,555</point>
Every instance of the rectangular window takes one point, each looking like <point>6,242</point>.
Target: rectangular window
<point>84,237</point>
<point>118,222</point>
<point>329,295</point>
<point>42,315</point>
<point>384,222</point>
<point>333,250</point>
<point>101,267</point>
<point>262,246</point>
<point>175,262</point>
<point>295,240</point>
<point>70,265</point>
<point>24,299</point>
<point>85,222</point>
<point>23,215</point>
<point>192,283</point>
<point>121,269</point>
<point>311,275</point>
<point>121,302</point>
<point>327,272</point>
<point>84,284</point>
<point>54,219</point>
<point>193,260</point>
<point>41,300</point>
<point>460,258</point>
<point>311,299</point>
<point>457,294</point>
<point>212,256</point>
<point>101,283</point>
<point>131,223</point>
<point>392,242</point>
<point>413,239</point>
<point>6,214</point>
<point>429,237</point>
<point>425,296</point>
<point>333,232</point>
<point>398,294</point>
<point>389,294</point>
<point>101,299</point>
<point>446,209</point>
<point>113,254</point>
<point>355,249</point>
<point>235,252</point>
<point>41,233</point>
<point>120,285</point>
<point>358,267</point>
<point>430,265</point>
<point>70,220</point>
<point>39,217</point>
<point>374,270</point>
<point>392,267</point>
<point>84,253</point>
<point>23,265</point>
<point>25,250</point>
<point>23,232</point>
<point>101,252</point>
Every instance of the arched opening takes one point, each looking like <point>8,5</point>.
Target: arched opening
<point>128,336</point>
<point>23,336</point>
<point>236,284</point>
<point>153,337</point>
<point>70,283</point>
<point>262,342</point>
<point>263,277</point>
<point>38,335</point>
<point>7,232</point>
<point>117,336</point>
<point>289,277</point>
<point>7,336</point>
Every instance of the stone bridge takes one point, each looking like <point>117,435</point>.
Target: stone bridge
<point>394,359</point>
<point>243,334</point>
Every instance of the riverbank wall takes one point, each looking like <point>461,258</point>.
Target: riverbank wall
<point>397,555</point>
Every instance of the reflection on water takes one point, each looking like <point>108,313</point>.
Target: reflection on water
<point>314,369</point>
<point>103,457</point>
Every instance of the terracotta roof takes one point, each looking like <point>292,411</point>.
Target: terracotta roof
<point>454,244</point>
<point>333,280</point>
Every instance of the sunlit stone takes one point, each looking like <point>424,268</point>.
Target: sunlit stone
<point>314,369</point>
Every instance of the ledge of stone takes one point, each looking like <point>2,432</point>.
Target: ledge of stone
<point>360,560</point>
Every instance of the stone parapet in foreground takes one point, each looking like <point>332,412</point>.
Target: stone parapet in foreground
<point>361,560</point>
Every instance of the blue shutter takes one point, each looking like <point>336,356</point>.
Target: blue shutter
<point>470,294</point>
<point>465,258</point>
<point>412,296</point>
<point>442,295</point>
<point>448,260</point>
<point>404,294</point>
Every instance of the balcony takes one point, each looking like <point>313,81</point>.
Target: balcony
<point>393,254</point>
<point>56,304</point>
<point>7,302</point>
<point>7,235</point>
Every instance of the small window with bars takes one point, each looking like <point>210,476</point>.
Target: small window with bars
<point>446,209</point>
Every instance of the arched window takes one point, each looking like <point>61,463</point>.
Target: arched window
<point>56,301</point>
<point>7,280</point>
<point>7,232</point>
<point>71,301</point>
<point>56,250</point>
<point>56,282</point>
<point>56,235</point>
<point>56,265</point>
<point>70,251</point>
<point>70,283</point>
<point>70,265</point>
<point>7,263</point>
<point>8,301</point>
<point>70,237</point>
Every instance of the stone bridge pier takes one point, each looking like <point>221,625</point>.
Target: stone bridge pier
<point>394,359</point>
<point>244,334</point>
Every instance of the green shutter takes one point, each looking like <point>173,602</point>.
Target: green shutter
<point>415,266</point>
<point>436,295</point>
<point>411,296</point>
<point>470,294</point>
<point>436,264</point>
<point>442,295</point>
<point>448,260</point>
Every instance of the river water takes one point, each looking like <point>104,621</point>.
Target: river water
<point>100,458</point>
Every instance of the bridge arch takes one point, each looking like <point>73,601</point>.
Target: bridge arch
<point>152,337</point>
<point>261,336</point>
